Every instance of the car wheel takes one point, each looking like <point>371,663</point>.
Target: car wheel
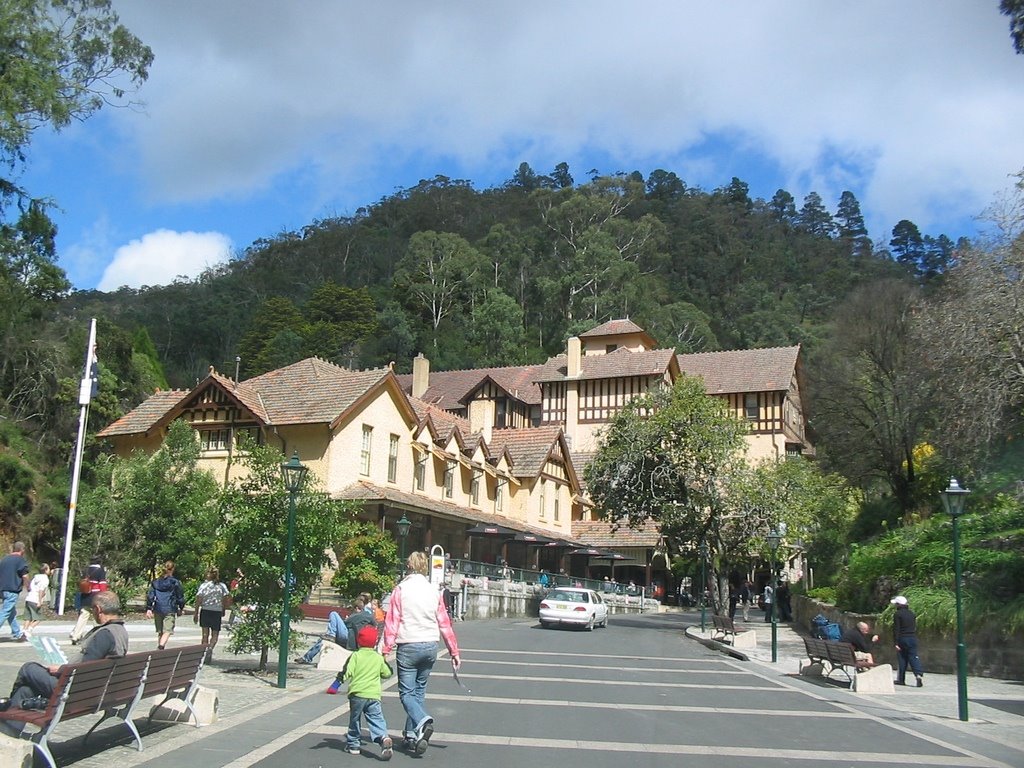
<point>545,625</point>
<point>604,624</point>
<point>590,624</point>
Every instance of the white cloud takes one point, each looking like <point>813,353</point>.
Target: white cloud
<point>158,258</point>
<point>927,98</point>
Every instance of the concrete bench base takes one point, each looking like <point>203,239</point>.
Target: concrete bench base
<point>746,639</point>
<point>205,702</point>
<point>332,657</point>
<point>15,753</point>
<point>811,669</point>
<point>875,680</point>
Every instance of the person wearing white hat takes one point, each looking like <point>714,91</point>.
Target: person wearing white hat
<point>904,626</point>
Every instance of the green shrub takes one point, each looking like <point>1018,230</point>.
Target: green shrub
<point>824,594</point>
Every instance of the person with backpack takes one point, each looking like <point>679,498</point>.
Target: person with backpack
<point>165,601</point>
<point>91,584</point>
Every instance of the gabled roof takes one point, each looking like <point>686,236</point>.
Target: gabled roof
<point>599,533</point>
<point>743,370</point>
<point>311,391</point>
<point>619,327</point>
<point>441,423</point>
<point>528,448</point>
<point>615,365</point>
<point>145,415</point>
<point>448,389</point>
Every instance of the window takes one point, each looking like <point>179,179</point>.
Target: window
<point>750,407</point>
<point>474,488</point>
<point>214,439</point>
<point>364,453</point>
<point>421,472</point>
<point>543,496</point>
<point>499,496</point>
<point>449,478</point>
<point>393,459</point>
<point>556,505</point>
<point>609,348</point>
<point>501,413</point>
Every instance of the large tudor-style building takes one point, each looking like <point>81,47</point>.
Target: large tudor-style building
<point>485,462</point>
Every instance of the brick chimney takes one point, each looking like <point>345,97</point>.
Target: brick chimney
<point>420,375</point>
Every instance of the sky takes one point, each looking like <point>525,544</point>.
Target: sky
<point>260,117</point>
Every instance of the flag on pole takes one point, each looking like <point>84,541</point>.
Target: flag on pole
<point>91,374</point>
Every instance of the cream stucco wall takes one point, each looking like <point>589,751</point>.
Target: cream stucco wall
<point>344,461</point>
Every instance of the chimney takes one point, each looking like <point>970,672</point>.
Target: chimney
<point>420,375</point>
<point>573,353</point>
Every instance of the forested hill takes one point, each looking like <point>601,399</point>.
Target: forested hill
<point>501,276</point>
<point>469,277</point>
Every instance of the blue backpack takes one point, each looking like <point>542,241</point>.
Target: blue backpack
<point>824,629</point>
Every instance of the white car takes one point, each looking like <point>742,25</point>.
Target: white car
<point>574,606</point>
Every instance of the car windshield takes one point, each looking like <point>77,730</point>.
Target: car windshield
<point>569,597</point>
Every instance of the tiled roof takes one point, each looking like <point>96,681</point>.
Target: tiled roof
<point>444,422</point>
<point>615,365</point>
<point>311,391</point>
<point>148,413</point>
<point>364,491</point>
<point>579,463</point>
<point>599,533</point>
<point>742,370</point>
<point>447,389</point>
<point>528,448</point>
<point>613,328</point>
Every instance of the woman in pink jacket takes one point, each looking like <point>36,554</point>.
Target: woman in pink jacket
<point>415,619</point>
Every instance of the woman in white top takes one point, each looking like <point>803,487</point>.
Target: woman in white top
<point>38,592</point>
<point>416,619</point>
<point>210,603</point>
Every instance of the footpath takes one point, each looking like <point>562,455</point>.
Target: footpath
<point>995,707</point>
<point>253,712</point>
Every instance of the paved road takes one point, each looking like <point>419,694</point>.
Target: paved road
<point>637,694</point>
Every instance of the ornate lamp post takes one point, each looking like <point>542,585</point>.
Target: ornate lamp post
<point>293,473</point>
<point>403,525</point>
<point>953,499</point>
<point>703,582</point>
<point>774,539</point>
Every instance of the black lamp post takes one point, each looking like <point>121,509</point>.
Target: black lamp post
<point>293,473</point>
<point>403,525</point>
<point>953,499</point>
<point>703,582</point>
<point>774,539</point>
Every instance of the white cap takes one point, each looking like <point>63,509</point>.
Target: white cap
<point>899,600</point>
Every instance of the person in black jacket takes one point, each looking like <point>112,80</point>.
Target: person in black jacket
<point>860,638</point>
<point>904,628</point>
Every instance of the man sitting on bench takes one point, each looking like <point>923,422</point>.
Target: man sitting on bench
<point>107,640</point>
<point>860,638</point>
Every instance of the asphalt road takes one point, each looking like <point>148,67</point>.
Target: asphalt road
<point>636,694</point>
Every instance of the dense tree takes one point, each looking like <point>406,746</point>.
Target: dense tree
<point>783,207</point>
<point>255,533</point>
<point>1015,10</point>
<point>850,226</point>
<point>871,392</point>
<point>814,218</point>
<point>61,60</point>
<point>275,335</point>
<point>146,509</point>
<point>339,319</point>
<point>908,246</point>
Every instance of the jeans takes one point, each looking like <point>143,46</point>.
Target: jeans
<point>9,613</point>
<point>357,708</point>
<point>335,628</point>
<point>415,660</point>
<point>907,656</point>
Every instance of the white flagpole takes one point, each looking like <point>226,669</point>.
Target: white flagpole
<point>85,390</point>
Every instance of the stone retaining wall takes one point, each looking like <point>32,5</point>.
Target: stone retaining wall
<point>989,654</point>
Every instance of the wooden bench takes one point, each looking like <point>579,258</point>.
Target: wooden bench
<point>842,657</point>
<point>113,688</point>
<point>817,651</point>
<point>723,628</point>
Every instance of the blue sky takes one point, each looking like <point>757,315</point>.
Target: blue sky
<point>262,116</point>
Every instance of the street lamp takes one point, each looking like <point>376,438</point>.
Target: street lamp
<point>293,473</point>
<point>953,499</point>
<point>703,581</point>
<point>774,539</point>
<point>403,525</point>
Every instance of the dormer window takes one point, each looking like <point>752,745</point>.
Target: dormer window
<point>420,472</point>
<point>474,488</point>
<point>750,406</point>
<point>499,495</point>
<point>449,478</point>
<point>609,348</point>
